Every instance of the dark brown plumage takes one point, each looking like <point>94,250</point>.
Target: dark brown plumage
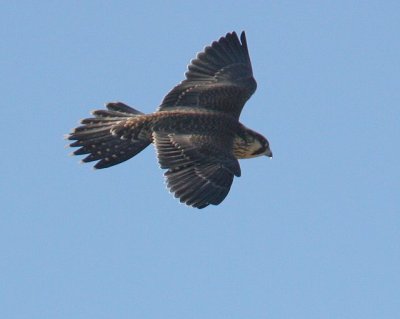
<point>196,129</point>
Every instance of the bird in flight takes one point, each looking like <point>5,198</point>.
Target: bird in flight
<point>196,130</point>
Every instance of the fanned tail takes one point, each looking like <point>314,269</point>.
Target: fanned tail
<point>112,136</point>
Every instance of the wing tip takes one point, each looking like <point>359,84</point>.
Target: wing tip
<point>243,39</point>
<point>234,34</point>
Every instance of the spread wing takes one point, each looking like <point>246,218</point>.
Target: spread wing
<point>200,167</point>
<point>220,78</point>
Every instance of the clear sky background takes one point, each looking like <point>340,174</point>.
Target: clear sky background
<point>313,233</point>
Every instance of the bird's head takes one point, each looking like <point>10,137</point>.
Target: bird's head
<point>251,144</point>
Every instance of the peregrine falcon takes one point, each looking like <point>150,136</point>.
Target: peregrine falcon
<point>196,130</point>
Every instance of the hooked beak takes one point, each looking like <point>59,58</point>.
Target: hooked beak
<point>268,153</point>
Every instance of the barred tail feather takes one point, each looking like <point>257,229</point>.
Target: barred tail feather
<point>100,137</point>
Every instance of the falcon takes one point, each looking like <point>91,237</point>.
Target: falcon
<point>196,130</point>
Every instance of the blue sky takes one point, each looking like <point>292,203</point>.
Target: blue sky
<point>313,233</point>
